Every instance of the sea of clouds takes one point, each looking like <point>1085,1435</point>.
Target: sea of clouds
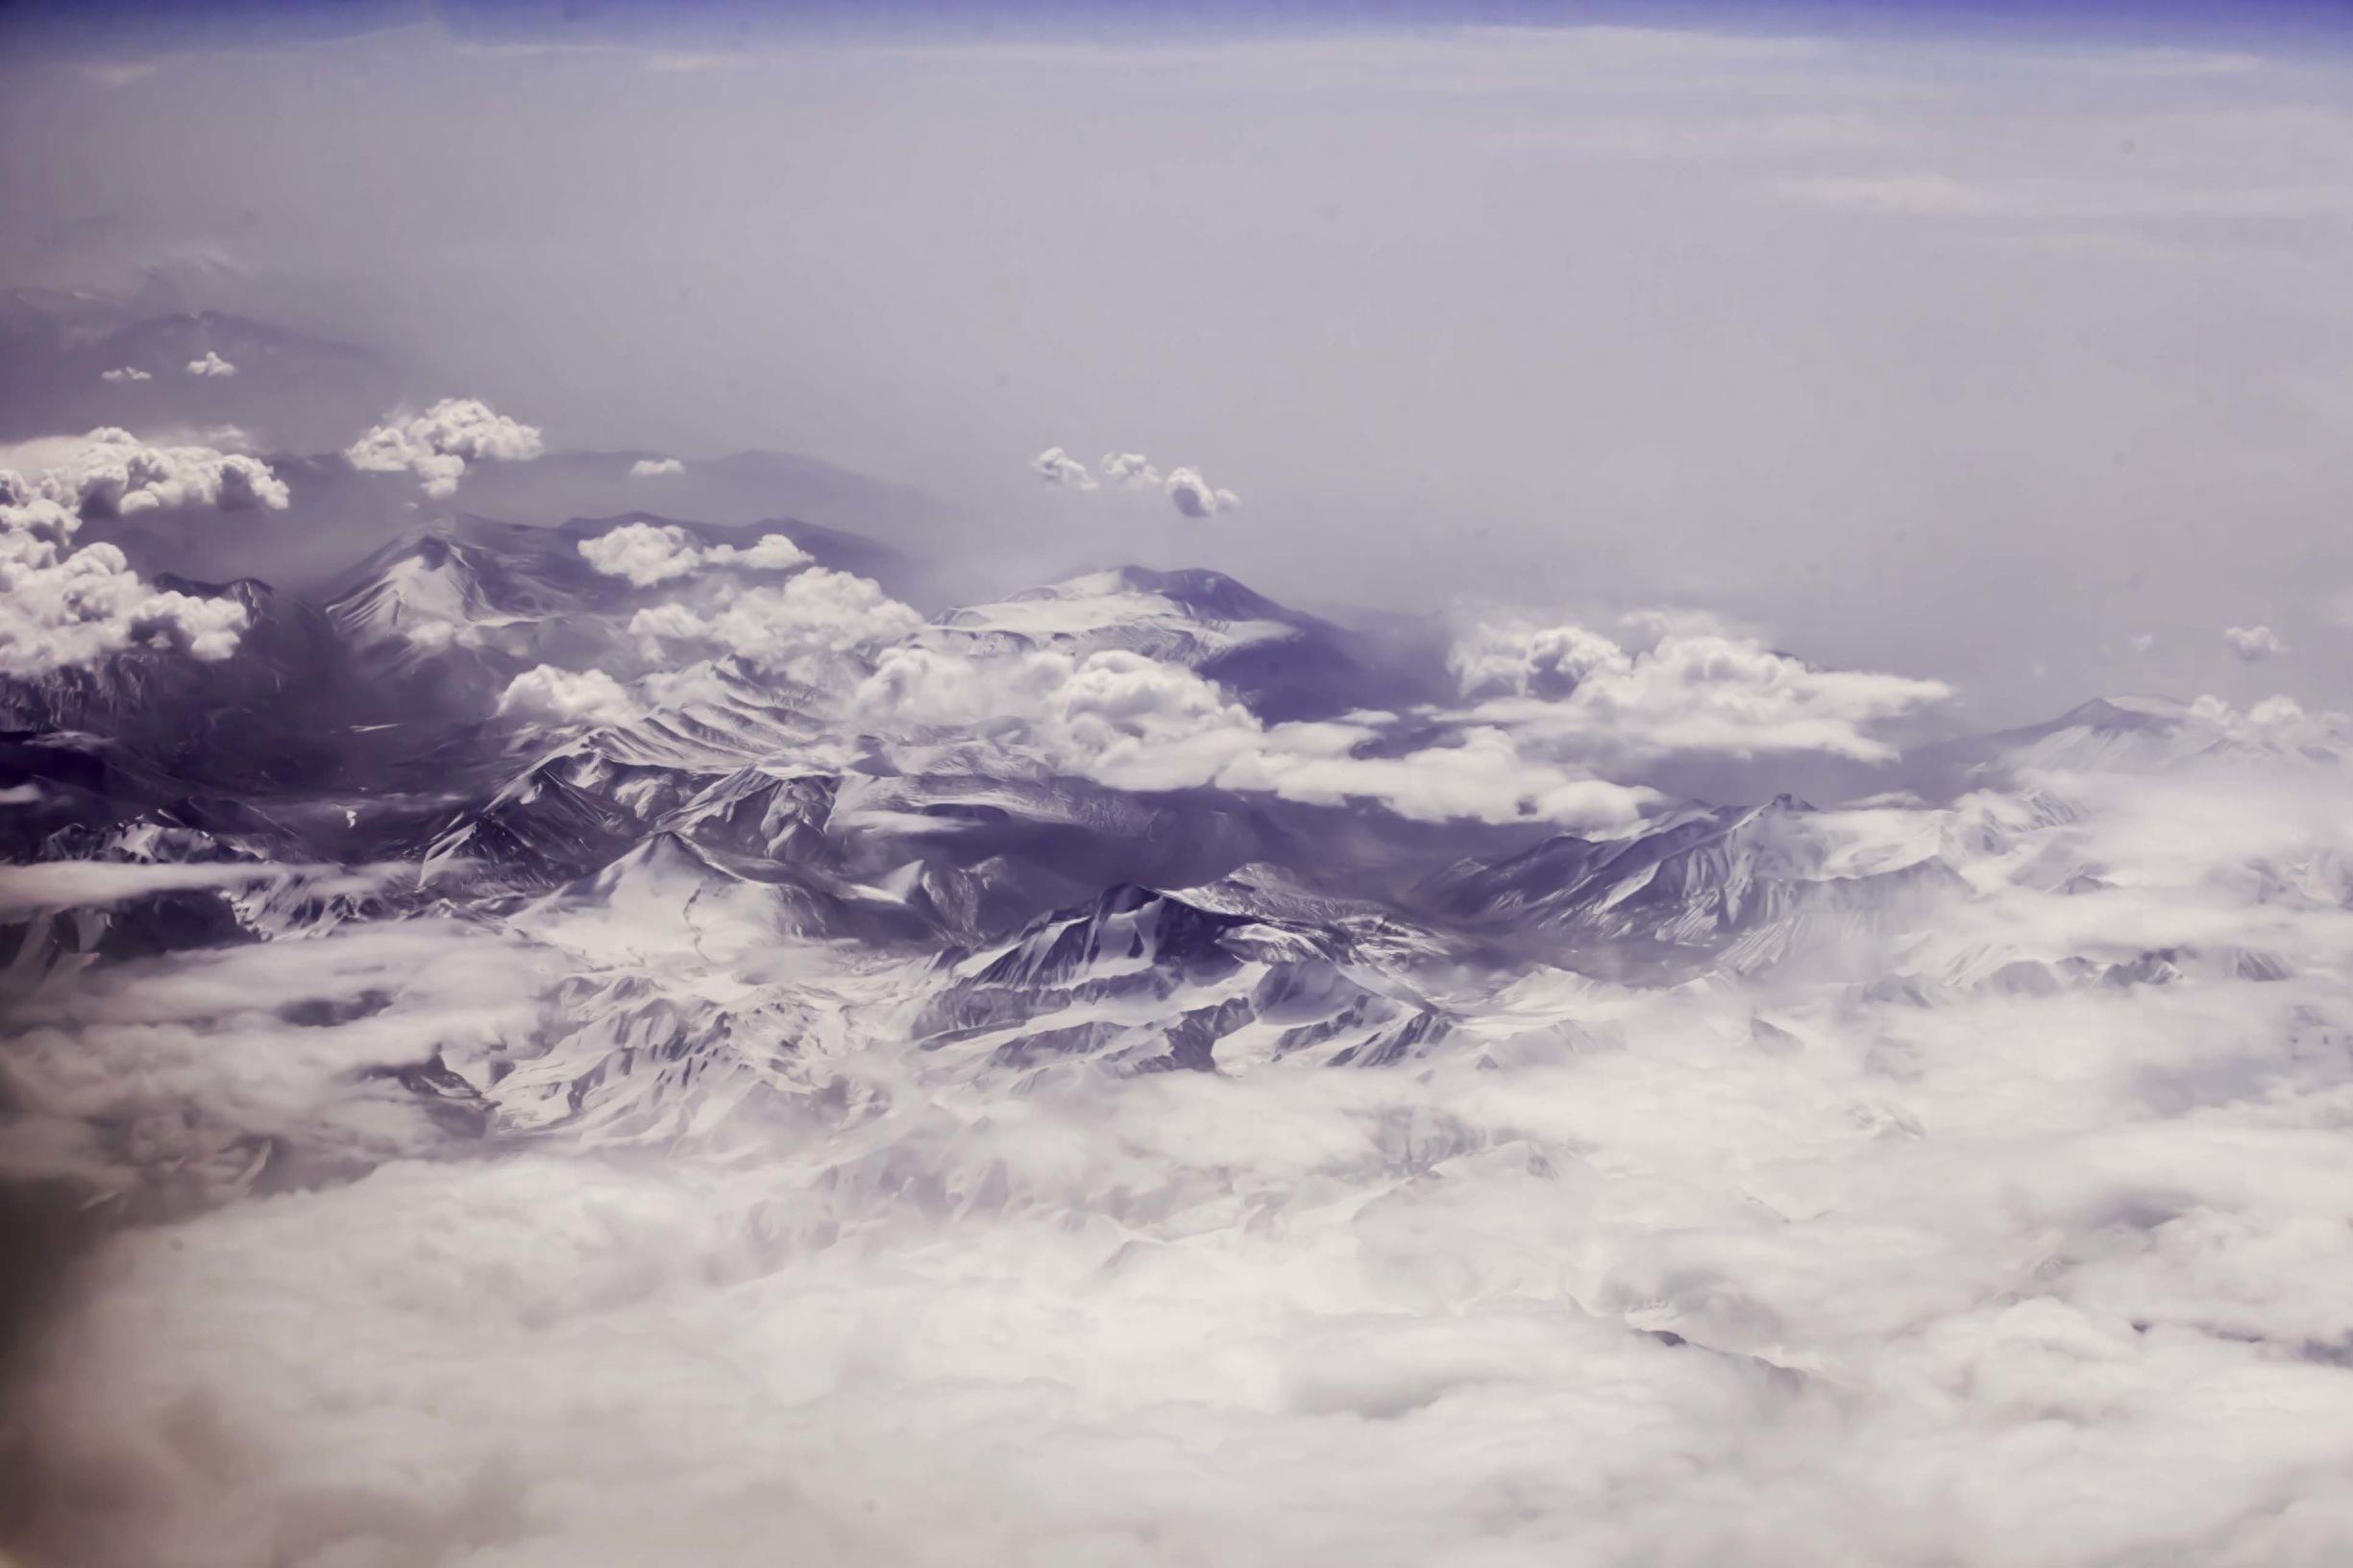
<point>1774,1271</point>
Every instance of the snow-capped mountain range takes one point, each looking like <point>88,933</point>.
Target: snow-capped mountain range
<point>644,915</point>
<point>970,892</point>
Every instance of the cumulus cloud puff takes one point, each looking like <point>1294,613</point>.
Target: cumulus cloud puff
<point>1131,472</point>
<point>111,473</point>
<point>1195,497</point>
<point>643,553</point>
<point>1132,722</point>
<point>655,468</point>
<point>1056,466</point>
<point>128,373</point>
<point>646,553</point>
<point>1530,661</point>
<point>566,697</point>
<point>801,628</point>
<point>1568,687</point>
<point>437,444</point>
<point>212,365</point>
<point>2254,643</point>
<point>60,609</point>
<point>63,608</point>
<point>2277,726</point>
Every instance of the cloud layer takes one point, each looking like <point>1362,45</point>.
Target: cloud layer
<point>1938,1259</point>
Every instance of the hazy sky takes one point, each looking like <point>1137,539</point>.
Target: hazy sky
<point>1963,349</point>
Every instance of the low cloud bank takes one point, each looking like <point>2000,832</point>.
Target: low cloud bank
<point>1955,1271</point>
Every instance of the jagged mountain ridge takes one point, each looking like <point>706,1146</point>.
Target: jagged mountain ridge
<point>999,917</point>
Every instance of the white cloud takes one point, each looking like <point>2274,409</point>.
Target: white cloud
<point>648,553</point>
<point>1130,471</point>
<point>567,697</point>
<point>112,472</point>
<point>654,467</point>
<point>1056,466</point>
<point>1135,723</point>
<point>437,444</point>
<point>2273,712</point>
<point>128,373</point>
<point>801,628</point>
<point>669,622</point>
<point>1195,497</point>
<point>1133,473</point>
<point>76,608</point>
<point>199,1049</point>
<point>1569,690</point>
<point>63,608</point>
<point>1482,775</point>
<point>1530,661</point>
<point>770,552</point>
<point>212,365</point>
<point>2254,643</point>
<point>987,1316</point>
<point>82,884</point>
<point>643,553</point>
<point>2278,725</point>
